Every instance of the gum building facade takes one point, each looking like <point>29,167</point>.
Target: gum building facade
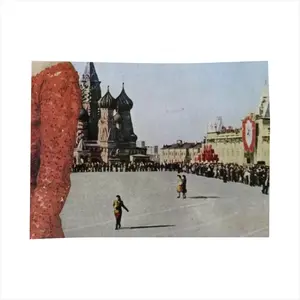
<point>229,143</point>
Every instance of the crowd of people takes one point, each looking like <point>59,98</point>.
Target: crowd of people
<point>116,167</point>
<point>255,175</point>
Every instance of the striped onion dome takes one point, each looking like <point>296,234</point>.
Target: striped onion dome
<point>108,101</point>
<point>83,115</point>
<point>124,103</point>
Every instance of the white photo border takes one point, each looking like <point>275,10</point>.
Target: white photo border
<point>150,268</point>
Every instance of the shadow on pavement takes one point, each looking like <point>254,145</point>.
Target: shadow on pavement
<point>150,226</point>
<point>204,197</point>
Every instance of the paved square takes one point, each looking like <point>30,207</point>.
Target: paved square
<point>212,208</point>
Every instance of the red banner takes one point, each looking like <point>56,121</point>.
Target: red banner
<point>249,134</point>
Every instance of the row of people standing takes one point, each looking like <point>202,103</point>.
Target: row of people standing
<point>115,167</point>
<point>256,175</point>
<point>126,167</point>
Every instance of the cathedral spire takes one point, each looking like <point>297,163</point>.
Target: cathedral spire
<point>91,94</point>
<point>90,72</point>
<point>90,80</point>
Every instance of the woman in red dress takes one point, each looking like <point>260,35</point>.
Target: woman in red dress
<point>55,107</point>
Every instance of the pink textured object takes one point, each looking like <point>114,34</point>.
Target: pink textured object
<point>55,106</point>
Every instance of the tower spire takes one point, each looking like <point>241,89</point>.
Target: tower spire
<point>90,86</point>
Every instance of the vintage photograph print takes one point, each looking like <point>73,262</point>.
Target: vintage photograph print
<point>149,150</point>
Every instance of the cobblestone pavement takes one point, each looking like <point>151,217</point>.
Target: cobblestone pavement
<point>212,208</point>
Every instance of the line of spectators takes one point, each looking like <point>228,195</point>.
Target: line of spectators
<point>255,175</point>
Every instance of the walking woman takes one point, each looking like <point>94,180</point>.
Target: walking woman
<point>184,190</point>
<point>179,186</point>
<point>55,107</point>
<point>118,204</point>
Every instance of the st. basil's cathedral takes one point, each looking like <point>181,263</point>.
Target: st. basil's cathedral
<point>105,129</point>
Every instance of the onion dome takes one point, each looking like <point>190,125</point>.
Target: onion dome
<point>133,137</point>
<point>83,115</point>
<point>124,103</point>
<point>108,101</point>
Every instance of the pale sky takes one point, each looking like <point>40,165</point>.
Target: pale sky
<point>176,101</point>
